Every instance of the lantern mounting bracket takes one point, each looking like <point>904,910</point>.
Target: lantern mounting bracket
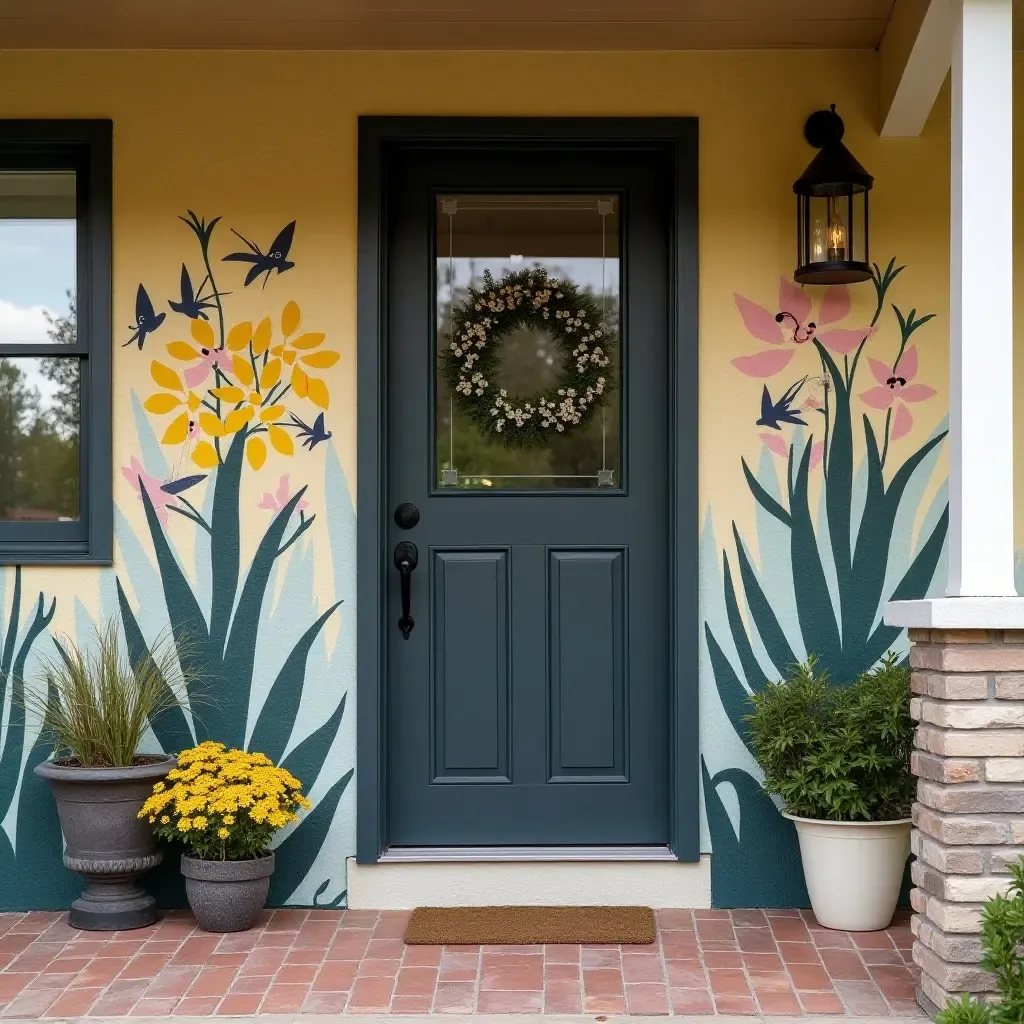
<point>824,128</point>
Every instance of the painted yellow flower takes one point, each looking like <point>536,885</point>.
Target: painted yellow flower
<point>297,352</point>
<point>175,396</point>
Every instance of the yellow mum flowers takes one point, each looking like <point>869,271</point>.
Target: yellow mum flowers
<point>225,804</point>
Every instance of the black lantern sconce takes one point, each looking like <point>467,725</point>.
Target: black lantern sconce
<point>831,208</point>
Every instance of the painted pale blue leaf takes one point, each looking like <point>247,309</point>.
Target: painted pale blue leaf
<point>151,452</point>
<point>341,529</point>
<point>108,593</point>
<point>203,558</point>
<point>902,546</point>
<point>277,718</point>
<point>85,625</point>
<point>151,613</point>
<point>293,609</point>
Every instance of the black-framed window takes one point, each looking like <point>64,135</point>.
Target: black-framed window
<point>56,501</point>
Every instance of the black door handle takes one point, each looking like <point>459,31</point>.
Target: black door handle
<point>406,560</point>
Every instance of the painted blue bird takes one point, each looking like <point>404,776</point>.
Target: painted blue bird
<point>275,258</point>
<point>183,483</point>
<point>193,302</point>
<point>782,411</point>
<point>312,435</point>
<point>147,320</point>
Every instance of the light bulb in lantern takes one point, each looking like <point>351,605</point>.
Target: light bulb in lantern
<point>836,232</point>
<point>818,243</point>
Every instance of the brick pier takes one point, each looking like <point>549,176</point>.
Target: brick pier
<point>969,818</point>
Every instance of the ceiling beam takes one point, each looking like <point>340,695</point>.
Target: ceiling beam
<point>914,59</point>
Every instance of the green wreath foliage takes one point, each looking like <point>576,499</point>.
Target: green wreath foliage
<point>528,299</point>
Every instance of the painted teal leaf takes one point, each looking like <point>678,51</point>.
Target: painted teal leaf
<point>338,901</point>
<point>191,633</point>
<point>277,717</point>
<point>39,880</point>
<point>760,867</point>
<point>7,653</point>
<point>756,678</point>
<point>866,591</point>
<point>231,711</point>
<point>171,728</point>
<point>839,486</point>
<point>225,541</point>
<point>14,743</point>
<point>733,694</point>
<point>813,603</point>
<point>309,758</point>
<point>763,498</point>
<point>768,628</point>
<point>296,854</point>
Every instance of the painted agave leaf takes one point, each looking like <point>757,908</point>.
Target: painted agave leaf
<point>31,853</point>
<point>828,556</point>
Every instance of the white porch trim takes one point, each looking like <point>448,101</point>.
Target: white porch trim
<point>913,60</point>
<point>980,588</point>
<point>655,884</point>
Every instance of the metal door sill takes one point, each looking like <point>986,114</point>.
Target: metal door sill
<point>483,854</point>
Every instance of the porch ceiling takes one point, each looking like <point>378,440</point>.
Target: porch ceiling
<point>444,24</point>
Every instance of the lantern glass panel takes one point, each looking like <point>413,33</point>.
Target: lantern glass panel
<point>832,234</point>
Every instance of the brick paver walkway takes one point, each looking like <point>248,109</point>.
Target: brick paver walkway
<point>321,961</point>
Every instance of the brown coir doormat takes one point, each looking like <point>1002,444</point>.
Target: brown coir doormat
<point>527,926</point>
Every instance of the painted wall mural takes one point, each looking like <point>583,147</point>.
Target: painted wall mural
<point>231,463</point>
<point>843,525</point>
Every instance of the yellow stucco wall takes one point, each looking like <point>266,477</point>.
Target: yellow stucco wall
<point>261,139</point>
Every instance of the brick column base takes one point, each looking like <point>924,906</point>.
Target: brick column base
<point>969,814</point>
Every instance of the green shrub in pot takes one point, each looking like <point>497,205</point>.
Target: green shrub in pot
<point>839,758</point>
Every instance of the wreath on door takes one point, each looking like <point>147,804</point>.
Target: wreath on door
<point>528,299</point>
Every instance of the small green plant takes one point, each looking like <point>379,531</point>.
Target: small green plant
<point>834,752</point>
<point>1002,934</point>
<point>96,707</point>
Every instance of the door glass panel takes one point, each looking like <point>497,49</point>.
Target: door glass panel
<point>528,346</point>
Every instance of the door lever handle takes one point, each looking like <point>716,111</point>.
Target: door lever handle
<point>406,560</point>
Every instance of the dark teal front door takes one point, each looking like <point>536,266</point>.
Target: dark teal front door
<point>527,700</point>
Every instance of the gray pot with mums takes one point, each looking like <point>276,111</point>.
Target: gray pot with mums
<point>227,895</point>
<point>105,840</point>
<point>96,708</point>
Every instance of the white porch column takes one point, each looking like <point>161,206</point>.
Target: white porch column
<point>968,647</point>
<point>981,303</point>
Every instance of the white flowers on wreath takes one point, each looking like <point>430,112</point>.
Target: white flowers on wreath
<point>537,294</point>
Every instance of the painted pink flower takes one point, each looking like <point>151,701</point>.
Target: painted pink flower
<point>137,476</point>
<point>792,324</point>
<point>776,444</point>
<point>894,389</point>
<point>277,501</point>
<point>208,358</point>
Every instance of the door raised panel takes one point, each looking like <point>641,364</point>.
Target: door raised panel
<point>470,671</point>
<point>586,657</point>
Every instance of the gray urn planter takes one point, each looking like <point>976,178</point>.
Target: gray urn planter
<point>106,841</point>
<point>227,895</point>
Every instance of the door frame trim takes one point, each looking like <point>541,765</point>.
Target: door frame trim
<point>379,139</point>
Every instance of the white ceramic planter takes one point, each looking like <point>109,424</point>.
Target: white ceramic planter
<point>853,870</point>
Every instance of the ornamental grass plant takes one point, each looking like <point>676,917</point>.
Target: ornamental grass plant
<point>98,705</point>
<point>224,804</point>
<point>834,752</point>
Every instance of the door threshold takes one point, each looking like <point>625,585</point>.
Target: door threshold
<point>484,854</point>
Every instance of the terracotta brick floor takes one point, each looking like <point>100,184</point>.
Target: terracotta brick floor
<point>320,961</point>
